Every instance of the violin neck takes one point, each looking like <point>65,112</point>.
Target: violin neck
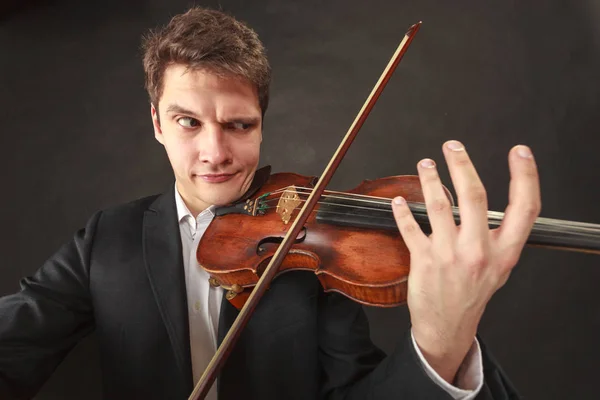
<point>546,232</point>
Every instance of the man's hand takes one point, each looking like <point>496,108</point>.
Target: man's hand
<point>456,270</point>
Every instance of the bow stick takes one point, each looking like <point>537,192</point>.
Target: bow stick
<point>224,350</point>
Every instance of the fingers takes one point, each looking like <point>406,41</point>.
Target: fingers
<point>524,201</point>
<point>471,195</point>
<point>438,205</point>
<point>411,232</point>
<point>523,208</point>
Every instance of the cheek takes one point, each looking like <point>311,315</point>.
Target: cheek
<point>181,153</point>
<point>249,152</point>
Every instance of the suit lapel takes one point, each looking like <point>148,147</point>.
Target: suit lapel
<point>164,265</point>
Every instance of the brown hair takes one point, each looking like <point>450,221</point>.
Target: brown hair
<point>206,39</point>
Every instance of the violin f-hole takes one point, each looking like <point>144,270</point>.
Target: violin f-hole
<point>266,243</point>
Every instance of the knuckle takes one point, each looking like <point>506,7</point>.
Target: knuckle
<point>409,228</point>
<point>477,258</point>
<point>502,279</point>
<point>462,161</point>
<point>477,196</point>
<point>508,261</point>
<point>474,256</point>
<point>440,205</point>
<point>532,210</point>
<point>448,258</point>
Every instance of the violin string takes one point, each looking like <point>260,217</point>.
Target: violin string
<point>386,218</point>
<point>493,224</point>
<point>309,190</point>
<point>340,204</point>
<point>353,196</point>
<point>386,202</point>
<point>418,207</point>
<point>493,216</point>
<point>415,206</point>
<point>339,212</point>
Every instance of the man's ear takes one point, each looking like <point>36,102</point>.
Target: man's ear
<point>156,123</point>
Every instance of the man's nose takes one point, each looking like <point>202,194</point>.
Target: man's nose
<point>214,147</point>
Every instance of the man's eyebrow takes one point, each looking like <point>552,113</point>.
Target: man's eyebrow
<point>174,108</point>
<point>241,118</point>
<point>249,119</point>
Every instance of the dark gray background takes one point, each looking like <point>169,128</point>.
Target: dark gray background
<point>76,136</point>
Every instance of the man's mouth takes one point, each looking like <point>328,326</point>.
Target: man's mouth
<point>215,178</point>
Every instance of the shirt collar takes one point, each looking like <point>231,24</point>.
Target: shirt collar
<point>183,211</point>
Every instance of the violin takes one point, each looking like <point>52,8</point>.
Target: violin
<point>351,241</point>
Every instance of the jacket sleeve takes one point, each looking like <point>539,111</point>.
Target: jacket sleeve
<point>40,324</point>
<point>354,368</point>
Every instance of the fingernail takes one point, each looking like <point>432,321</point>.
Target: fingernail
<point>427,163</point>
<point>399,201</point>
<point>455,145</point>
<point>524,152</point>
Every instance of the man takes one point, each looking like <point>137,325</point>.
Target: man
<point>131,273</point>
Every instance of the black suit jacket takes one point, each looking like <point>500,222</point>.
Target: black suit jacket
<point>122,275</point>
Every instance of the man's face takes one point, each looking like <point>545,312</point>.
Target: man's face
<point>211,128</point>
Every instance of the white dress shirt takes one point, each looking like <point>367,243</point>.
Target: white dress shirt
<point>204,303</point>
<point>204,300</point>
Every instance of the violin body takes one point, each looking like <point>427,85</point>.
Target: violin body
<point>369,264</point>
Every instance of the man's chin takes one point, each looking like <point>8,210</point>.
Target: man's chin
<point>224,201</point>
<point>217,198</point>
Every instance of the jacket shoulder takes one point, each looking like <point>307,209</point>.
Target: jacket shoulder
<point>131,208</point>
<point>123,219</point>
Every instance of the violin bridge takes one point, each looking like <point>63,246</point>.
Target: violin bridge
<point>288,202</point>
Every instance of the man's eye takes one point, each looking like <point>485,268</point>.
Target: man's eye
<point>239,126</point>
<point>188,122</point>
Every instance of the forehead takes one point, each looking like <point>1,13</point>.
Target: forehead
<point>199,86</point>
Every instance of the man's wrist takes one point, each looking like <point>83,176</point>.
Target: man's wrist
<point>444,354</point>
<point>469,378</point>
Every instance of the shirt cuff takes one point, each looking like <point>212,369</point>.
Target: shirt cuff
<point>469,377</point>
